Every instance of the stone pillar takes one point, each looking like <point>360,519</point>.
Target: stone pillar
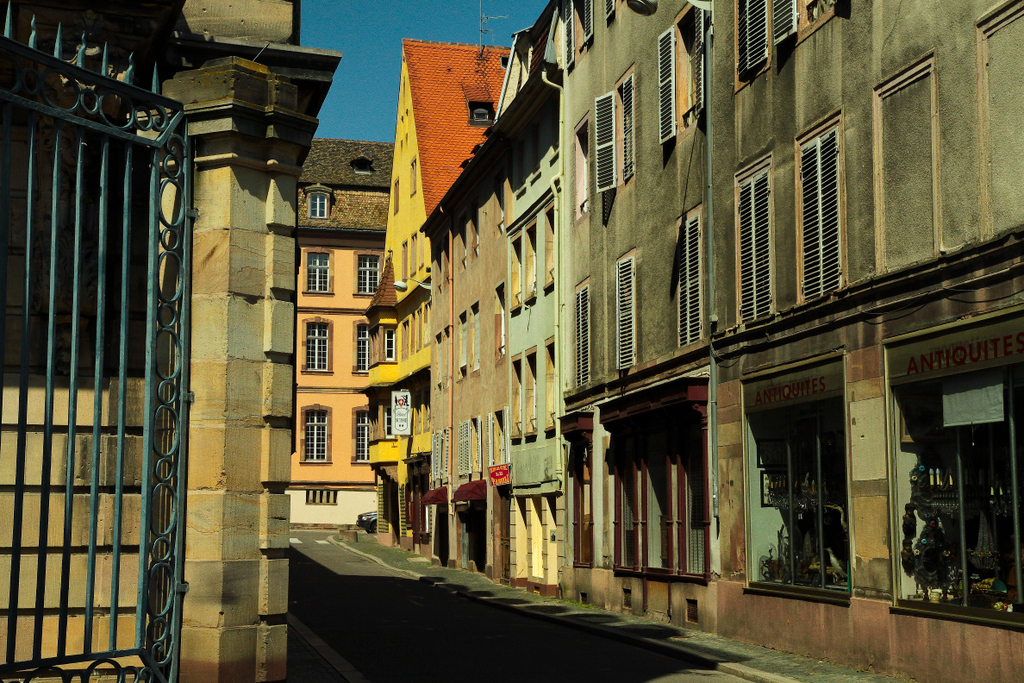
<point>249,142</point>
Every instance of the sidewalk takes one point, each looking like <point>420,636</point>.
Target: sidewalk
<point>749,662</point>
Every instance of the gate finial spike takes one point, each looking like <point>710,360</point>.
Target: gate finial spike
<point>80,57</point>
<point>130,73</point>
<point>57,43</point>
<point>103,67</point>
<point>156,81</point>
<point>7,24</point>
<point>32,34</point>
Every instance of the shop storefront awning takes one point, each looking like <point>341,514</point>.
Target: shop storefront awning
<point>474,490</point>
<point>438,496</point>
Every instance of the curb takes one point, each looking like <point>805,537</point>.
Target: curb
<point>674,651</point>
<point>348,673</point>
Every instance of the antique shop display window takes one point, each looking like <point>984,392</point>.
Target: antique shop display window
<point>957,477</point>
<point>797,474</point>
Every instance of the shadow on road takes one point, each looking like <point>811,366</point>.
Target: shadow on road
<point>398,629</point>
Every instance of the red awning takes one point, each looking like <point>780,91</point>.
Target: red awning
<point>474,490</point>
<point>438,496</point>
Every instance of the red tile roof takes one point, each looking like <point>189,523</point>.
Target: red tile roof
<point>442,78</point>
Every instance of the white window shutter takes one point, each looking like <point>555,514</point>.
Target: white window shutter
<point>490,439</point>
<point>689,282</point>
<point>624,313</point>
<point>587,19</point>
<point>785,15</point>
<point>819,180</point>
<point>447,453</point>
<point>698,60</point>
<point>505,435</point>
<point>755,235</point>
<point>569,20</point>
<point>604,141</point>
<point>433,455</point>
<point>667,84</point>
<point>628,146</point>
<point>609,7</point>
<point>583,336</point>
<point>752,34</point>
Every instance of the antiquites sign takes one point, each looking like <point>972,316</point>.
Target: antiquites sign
<point>401,413</point>
<point>809,383</point>
<point>957,351</point>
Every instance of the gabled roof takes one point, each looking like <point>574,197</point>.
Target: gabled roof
<point>442,79</point>
<point>385,294</point>
<point>330,162</point>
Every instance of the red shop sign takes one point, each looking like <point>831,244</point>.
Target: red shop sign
<point>501,475</point>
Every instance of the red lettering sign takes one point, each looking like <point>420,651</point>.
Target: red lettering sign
<point>501,475</point>
<point>965,353</point>
<point>791,390</point>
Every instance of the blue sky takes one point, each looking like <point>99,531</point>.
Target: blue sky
<point>364,97</point>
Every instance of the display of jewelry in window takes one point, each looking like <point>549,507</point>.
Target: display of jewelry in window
<point>958,518</point>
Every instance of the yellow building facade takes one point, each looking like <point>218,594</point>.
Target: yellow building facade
<point>400,351</point>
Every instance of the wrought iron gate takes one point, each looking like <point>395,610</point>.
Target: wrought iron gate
<point>95,240</point>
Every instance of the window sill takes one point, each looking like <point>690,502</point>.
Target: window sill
<point>367,295</point>
<point>327,373</point>
<point>309,293</point>
<point>365,463</point>
<point>315,462</point>
<point>799,593</point>
<point>806,31</point>
<point>515,309</point>
<point>549,285</point>
<point>750,77</point>
<point>968,615</point>
<point>530,300</point>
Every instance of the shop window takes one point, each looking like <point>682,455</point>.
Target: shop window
<point>799,523</point>
<point>955,466</point>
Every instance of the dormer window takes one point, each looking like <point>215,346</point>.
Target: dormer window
<point>318,204</point>
<point>481,113</point>
<point>362,165</point>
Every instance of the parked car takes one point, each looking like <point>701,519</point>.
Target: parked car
<point>367,521</point>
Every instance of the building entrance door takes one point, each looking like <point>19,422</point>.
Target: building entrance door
<point>502,535</point>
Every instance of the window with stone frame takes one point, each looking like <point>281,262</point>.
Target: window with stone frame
<point>316,433</point>
<point>367,273</point>
<point>318,272</point>
<point>362,348</point>
<point>362,453</point>
<point>318,354</point>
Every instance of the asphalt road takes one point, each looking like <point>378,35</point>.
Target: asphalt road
<point>395,629</point>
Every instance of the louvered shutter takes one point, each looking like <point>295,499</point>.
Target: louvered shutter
<point>569,21</point>
<point>697,87</point>
<point>609,7</point>
<point>785,15</point>
<point>667,84</point>
<point>433,455</point>
<point>624,318</point>
<point>403,523</point>
<point>604,141</point>
<point>587,19</point>
<point>752,38</point>
<point>464,446</point>
<point>490,439</point>
<point>447,453</point>
<point>689,282</point>
<point>819,180</point>
<point>628,159</point>
<point>583,336</point>
<point>755,233</point>
<point>505,436</point>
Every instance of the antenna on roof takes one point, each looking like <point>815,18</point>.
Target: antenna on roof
<point>483,20</point>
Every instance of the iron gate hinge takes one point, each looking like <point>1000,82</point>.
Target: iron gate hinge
<point>182,588</point>
<point>190,397</point>
<point>192,213</point>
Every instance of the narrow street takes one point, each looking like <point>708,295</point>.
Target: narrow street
<point>394,629</point>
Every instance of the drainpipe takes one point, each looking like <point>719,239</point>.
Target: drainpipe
<point>712,315</point>
<point>555,183</point>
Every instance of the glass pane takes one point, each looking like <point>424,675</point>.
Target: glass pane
<point>797,496</point>
<point>628,506</point>
<point>954,486</point>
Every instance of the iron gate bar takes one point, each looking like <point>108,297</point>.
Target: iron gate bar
<point>160,587</point>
